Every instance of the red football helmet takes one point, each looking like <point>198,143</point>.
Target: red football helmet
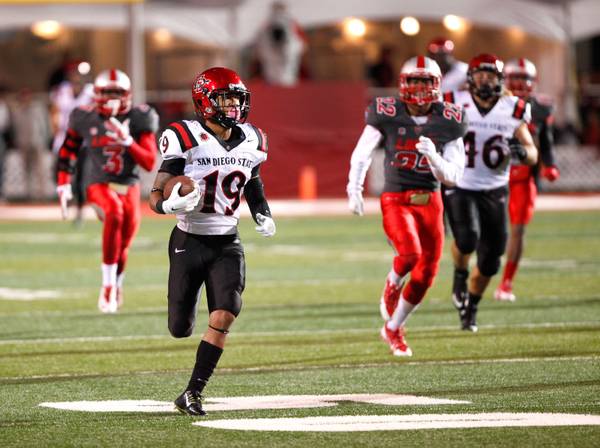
<point>440,45</point>
<point>421,68</point>
<point>112,92</point>
<point>489,63</point>
<point>213,88</point>
<point>521,76</point>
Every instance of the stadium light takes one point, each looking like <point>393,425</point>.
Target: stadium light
<point>162,37</point>
<point>453,23</point>
<point>354,27</point>
<point>410,26</point>
<point>84,68</point>
<point>46,29</point>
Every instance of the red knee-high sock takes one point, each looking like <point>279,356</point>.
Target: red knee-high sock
<point>509,271</point>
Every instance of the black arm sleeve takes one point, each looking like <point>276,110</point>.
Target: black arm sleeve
<point>173,166</point>
<point>255,197</point>
<point>546,141</point>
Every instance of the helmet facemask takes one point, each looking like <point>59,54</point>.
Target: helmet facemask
<point>485,90</point>
<point>520,85</point>
<point>231,106</point>
<point>112,101</point>
<point>419,88</point>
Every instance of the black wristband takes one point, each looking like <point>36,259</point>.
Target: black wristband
<point>159,206</point>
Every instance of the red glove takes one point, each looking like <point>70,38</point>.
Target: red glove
<point>551,173</point>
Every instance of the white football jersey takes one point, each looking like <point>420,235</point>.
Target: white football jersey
<point>456,77</point>
<point>64,100</point>
<point>221,172</point>
<point>487,162</point>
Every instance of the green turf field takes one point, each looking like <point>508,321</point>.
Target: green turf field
<point>309,326</point>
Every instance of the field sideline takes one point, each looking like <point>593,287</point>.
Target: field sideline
<point>294,207</point>
<point>304,364</point>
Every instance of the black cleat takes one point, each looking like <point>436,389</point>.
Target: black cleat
<point>459,288</point>
<point>190,403</point>
<point>468,316</point>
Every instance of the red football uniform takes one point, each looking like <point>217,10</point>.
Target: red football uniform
<point>523,178</point>
<point>112,172</point>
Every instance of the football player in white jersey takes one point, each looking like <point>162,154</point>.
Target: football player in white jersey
<point>454,72</point>
<point>477,205</point>
<point>222,154</point>
<point>70,94</point>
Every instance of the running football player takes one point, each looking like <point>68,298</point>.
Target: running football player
<point>521,78</point>
<point>118,139</point>
<point>477,205</point>
<point>423,145</point>
<point>222,154</point>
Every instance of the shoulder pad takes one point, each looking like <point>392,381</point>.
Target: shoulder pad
<point>143,119</point>
<point>449,97</point>
<point>262,138</point>
<point>78,118</point>
<point>184,136</point>
<point>380,109</point>
<point>169,145</point>
<point>454,119</point>
<point>519,109</point>
<point>543,104</point>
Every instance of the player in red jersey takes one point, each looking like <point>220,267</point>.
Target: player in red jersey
<point>118,140</point>
<point>521,77</point>
<point>423,145</point>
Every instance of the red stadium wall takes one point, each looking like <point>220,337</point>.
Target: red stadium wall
<point>311,129</point>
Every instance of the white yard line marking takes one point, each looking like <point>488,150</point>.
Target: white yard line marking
<point>28,295</point>
<point>296,367</point>
<point>348,423</point>
<point>245,334</point>
<point>254,403</point>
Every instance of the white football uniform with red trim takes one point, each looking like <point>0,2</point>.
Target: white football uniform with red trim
<point>487,163</point>
<point>220,170</point>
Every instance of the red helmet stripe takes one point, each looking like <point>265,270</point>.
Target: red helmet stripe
<point>420,61</point>
<point>522,62</point>
<point>113,74</point>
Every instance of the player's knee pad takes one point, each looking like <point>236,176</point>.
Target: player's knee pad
<point>403,264</point>
<point>466,240</point>
<point>420,281</point>
<point>488,263</point>
<point>180,328</point>
<point>233,304</point>
<point>180,331</point>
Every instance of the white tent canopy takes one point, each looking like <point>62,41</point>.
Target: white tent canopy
<point>233,23</point>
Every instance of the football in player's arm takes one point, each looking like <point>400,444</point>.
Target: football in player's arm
<point>117,139</point>
<point>422,138</point>
<point>521,79</point>
<point>498,133</point>
<point>222,154</point>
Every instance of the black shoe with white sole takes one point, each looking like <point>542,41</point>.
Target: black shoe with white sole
<point>190,403</point>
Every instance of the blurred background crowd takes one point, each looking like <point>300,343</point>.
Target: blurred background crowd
<point>311,67</point>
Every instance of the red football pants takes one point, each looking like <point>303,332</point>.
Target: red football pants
<point>521,200</point>
<point>417,234</point>
<point>121,215</point>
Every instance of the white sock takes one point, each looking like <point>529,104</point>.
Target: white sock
<point>109,274</point>
<point>401,313</point>
<point>120,279</point>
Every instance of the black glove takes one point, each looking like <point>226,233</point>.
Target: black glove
<point>517,150</point>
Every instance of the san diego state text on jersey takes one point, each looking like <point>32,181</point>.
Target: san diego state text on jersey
<point>405,168</point>
<point>221,169</point>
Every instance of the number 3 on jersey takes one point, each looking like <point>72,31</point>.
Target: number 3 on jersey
<point>210,194</point>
